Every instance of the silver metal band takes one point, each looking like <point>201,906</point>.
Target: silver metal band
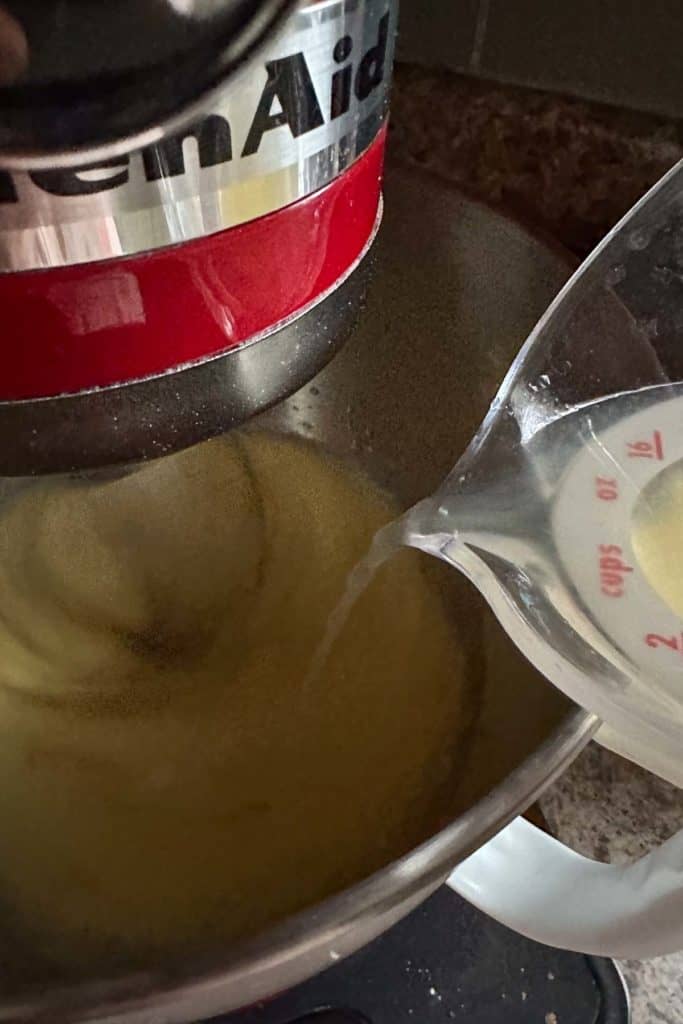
<point>286,126</point>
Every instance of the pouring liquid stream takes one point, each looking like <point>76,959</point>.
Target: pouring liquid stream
<point>416,528</point>
<point>575,542</point>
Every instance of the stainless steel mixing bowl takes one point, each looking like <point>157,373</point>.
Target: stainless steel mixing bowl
<point>457,288</point>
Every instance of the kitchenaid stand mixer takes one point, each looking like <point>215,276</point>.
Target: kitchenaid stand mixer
<point>147,289</point>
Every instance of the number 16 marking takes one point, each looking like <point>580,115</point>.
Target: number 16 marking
<point>653,449</point>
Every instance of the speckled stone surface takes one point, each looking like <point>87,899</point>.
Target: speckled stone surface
<point>611,810</point>
<point>571,168</point>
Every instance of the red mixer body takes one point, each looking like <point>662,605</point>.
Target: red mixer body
<point>164,270</point>
<point>101,323</point>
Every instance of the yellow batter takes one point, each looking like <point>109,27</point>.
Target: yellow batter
<point>657,535</point>
<point>168,778</point>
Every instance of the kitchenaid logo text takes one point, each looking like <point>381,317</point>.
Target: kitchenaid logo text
<point>260,125</point>
<point>285,127</point>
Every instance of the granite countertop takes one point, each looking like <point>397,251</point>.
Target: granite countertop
<point>571,168</point>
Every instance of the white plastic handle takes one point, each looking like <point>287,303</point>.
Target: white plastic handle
<point>534,884</point>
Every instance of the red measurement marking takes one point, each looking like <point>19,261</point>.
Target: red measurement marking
<point>606,489</point>
<point>674,643</point>
<point>613,570</point>
<point>653,449</point>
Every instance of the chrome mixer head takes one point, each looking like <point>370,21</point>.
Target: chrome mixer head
<point>84,79</point>
<point>167,293</point>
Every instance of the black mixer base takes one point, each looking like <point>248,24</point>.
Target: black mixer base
<point>446,963</point>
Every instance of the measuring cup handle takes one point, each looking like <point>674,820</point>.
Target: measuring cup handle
<point>540,888</point>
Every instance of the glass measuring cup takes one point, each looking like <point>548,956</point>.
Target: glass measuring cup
<point>541,513</point>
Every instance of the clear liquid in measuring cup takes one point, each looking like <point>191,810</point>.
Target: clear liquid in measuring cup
<point>616,521</point>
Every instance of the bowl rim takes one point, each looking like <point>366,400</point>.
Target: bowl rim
<point>175,995</point>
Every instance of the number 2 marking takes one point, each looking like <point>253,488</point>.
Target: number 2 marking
<point>674,643</point>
